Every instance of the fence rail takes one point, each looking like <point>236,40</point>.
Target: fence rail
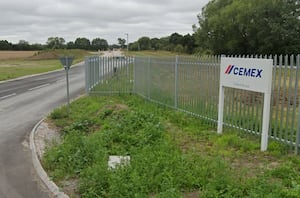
<point>191,85</point>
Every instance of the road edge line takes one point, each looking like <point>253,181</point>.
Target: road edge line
<point>51,186</point>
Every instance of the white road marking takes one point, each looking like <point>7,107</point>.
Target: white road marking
<point>38,87</point>
<point>7,96</point>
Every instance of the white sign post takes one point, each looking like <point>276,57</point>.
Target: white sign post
<point>248,74</point>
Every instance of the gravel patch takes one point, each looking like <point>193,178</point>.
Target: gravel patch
<point>46,135</point>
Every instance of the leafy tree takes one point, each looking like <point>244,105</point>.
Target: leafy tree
<point>55,42</point>
<point>189,43</point>
<point>176,39</point>
<point>165,44</point>
<point>5,45</point>
<point>134,46</point>
<point>99,44</point>
<point>155,44</point>
<point>179,48</point>
<point>71,45</point>
<point>37,46</point>
<point>23,45</point>
<point>122,42</point>
<point>144,43</point>
<point>250,27</point>
<point>82,43</point>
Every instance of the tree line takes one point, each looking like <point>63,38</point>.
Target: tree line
<point>175,42</point>
<point>224,27</point>
<point>22,45</point>
<point>237,27</point>
<point>58,43</point>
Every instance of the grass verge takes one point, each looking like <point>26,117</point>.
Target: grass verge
<point>172,154</point>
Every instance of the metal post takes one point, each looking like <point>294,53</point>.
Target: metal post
<point>298,129</point>
<point>66,62</point>
<point>221,108</point>
<point>134,74</point>
<point>68,93</point>
<point>176,84</point>
<point>148,77</point>
<point>127,42</point>
<point>67,78</point>
<point>298,133</point>
<point>86,76</point>
<point>266,119</point>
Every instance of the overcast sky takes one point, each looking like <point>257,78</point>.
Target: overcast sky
<point>37,20</point>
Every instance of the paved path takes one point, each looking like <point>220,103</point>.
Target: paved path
<point>22,104</point>
<point>112,53</point>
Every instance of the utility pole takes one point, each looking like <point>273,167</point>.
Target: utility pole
<point>127,41</point>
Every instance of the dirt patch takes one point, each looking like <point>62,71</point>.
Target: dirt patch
<point>6,55</point>
<point>192,195</point>
<point>46,136</point>
<point>253,164</point>
<point>70,187</point>
<point>120,107</point>
<point>45,55</point>
<point>109,109</point>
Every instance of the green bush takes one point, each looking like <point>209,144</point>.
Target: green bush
<point>58,114</point>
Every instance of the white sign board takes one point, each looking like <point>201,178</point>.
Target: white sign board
<point>247,74</point>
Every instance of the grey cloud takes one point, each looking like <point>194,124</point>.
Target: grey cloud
<point>36,20</point>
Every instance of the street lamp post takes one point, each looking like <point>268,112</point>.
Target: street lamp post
<point>127,41</point>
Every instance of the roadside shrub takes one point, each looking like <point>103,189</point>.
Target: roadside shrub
<point>58,114</point>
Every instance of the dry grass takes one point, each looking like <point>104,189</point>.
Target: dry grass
<point>5,55</point>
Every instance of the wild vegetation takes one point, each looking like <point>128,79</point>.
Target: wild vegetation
<point>172,154</point>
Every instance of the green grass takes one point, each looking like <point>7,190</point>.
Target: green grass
<point>172,154</point>
<point>119,82</point>
<point>42,61</point>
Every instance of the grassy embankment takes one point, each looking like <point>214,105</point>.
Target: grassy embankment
<point>15,64</point>
<point>172,154</point>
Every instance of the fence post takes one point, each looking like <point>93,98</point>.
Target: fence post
<point>148,77</point>
<point>298,133</point>
<point>176,83</point>
<point>134,72</point>
<point>86,76</point>
<point>298,129</point>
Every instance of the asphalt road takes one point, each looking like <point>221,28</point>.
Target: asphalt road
<point>23,103</point>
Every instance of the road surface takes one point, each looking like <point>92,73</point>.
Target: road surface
<point>22,104</point>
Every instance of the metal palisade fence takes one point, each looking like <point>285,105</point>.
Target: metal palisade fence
<point>109,75</point>
<point>191,84</point>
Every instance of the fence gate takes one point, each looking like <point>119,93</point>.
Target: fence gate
<point>108,75</point>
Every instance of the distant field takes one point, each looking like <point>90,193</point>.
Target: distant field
<point>14,64</point>
<point>5,55</point>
